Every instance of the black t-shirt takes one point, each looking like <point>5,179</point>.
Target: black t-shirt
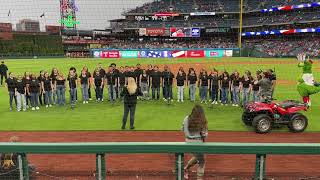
<point>137,73</point>
<point>53,78</point>
<point>225,82</point>
<point>180,79</point>
<point>204,79</point>
<point>72,82</point>
<point>34,86</point>
<point>12,84</point>
<point>273,77</point>
<point>98,80</point>
<point>192,79</point>
<point>3,69</point>
<point>111,78</point>
<point>255,87</point>
<point>84,79</point>
<point>21,85</point>
<point>130,74</point>
<point>41,78</point>
<point>144,78</point>
<point>61,82</point>
<point>246,83</point>
<point>122,78</point>
<point>214,80</point>
<point>236,80</point>
<point>47,84</point>
<point>156,77</point>
<point>167,77</point>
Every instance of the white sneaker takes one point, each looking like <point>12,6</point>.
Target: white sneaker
<point>182,101</point>
<point>50,105</point>
<point>90,99</point>
<point>237,105</point>
<point>226,104</point>
<point>205,102</point>
<point>212,103</point>
<point>201,102</point>
<point>87,102</point>
<point>216,102</point>
<point>178,100</point>
<point>47,106</point>
<point>24,109</point>
<point>102,99</point>
<point>18,110</point>
<point>84,102</point>
<point>37,108</point>
<point>222,104</point>
<point>33,108</point>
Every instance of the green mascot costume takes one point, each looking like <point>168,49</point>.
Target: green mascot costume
<point>306,84</point>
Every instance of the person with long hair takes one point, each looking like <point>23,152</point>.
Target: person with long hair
<point>181,78</point>
<point>34,91</point>
<point>21,94</point>
<point>88,74</point>
<point>11,84</point>
<point>85,83</point>
<point>53,76</point>
<point>156,83</point>
<point>225,84</point>
<point>246,88</point>
<point>192,83</point>
<point>72,78</point>
<point>98,85</point>
<point>167,76</point>
<point>47,89</point>
<point>255,87</point>
<point>214,86</point>
<point>144,85</point>
<point>61,89</point>
<point>203,85</point>
<point>27,80</point>
<point>41,95</point>
<point>235,88</point>
<point>121,80</point>
<point>130,94</point>
<point>195,128</point>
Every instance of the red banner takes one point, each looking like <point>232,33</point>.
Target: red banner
<point>195,53</point>
<point>178,54</point>
<point>110,54</point>
<point>155,31</point>
<point>5,27</point>
<point>167,14</point>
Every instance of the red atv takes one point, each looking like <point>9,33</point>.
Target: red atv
<point>262,116</point>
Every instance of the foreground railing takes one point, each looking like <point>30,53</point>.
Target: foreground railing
<point>179,149</point>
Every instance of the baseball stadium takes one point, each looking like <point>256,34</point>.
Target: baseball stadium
<point>159,89</point>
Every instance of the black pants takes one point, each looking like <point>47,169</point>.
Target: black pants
<point>128,108</point>
<point>3,77</point>
<point>89,92</point>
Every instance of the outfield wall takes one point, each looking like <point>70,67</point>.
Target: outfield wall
<point>164,53</point>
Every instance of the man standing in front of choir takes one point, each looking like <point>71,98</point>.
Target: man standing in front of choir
<point>3,72</point>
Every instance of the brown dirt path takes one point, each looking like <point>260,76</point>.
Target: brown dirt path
<point>160,166</point>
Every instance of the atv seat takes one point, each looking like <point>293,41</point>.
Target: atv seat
<point>289,104</point>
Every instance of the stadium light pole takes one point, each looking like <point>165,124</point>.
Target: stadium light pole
<point>240,26</point>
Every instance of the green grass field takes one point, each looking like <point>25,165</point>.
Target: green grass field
<point>149,115</point>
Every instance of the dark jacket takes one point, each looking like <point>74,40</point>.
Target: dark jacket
<point>130,99</point>
<point>3,69</point>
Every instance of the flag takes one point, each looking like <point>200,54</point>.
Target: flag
<point>42,15</point>
<point>9,13</point>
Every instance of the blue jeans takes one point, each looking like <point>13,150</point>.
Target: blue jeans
<point>112,92</point>
<point>34,99</point>
<point>192,91</point>
<point>236,95</point>
<point>203,92</point>
<point>156,90</point>
<point>21,100</point>
<point>99,93</point>
<point>224,95</point>
<point>61,90</point>
<point>11,97</point>
<point>167,91</point>
<point>85,92</point>
<point>214,93</point>
<point>246,96</point>
<point>128,108</point>
<point>73,96</point>
<point>48,97</point>
<point>256,96</point>
<point>54,96</point>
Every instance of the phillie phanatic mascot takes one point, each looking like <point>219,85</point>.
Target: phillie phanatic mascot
<point>306,83</point>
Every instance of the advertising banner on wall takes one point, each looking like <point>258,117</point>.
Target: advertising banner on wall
<point>214,53</point>
<point>129,54</point>
<point>97,54</point>
<point>228,53</point>
<point>185,32</point>
<point>178,54</point>
<point>110,54</point>
<point>155,31</point>
<point>195,53</point>
<point>155,54</point>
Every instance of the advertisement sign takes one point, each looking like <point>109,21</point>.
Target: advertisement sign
<point>195,53</point>
<point>228,53</point>
<point>110,54</point>
<point>142,31</point>
<point>178,54</point>
<point>129,54</point>
<point>184,32</point>
<point>214,53</point>
<point>155,31</point>
<point>167,14</point>
<point>155,54</point>
<point>96,54</point>
<point>5,27</point>
<point>202,14</point>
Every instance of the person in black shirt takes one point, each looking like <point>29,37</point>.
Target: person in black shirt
<point>47,89</point>
<point>121,80</point>
<point>225,84</point>
<point>116,72</point>
<point>181,78</point>
<point>167,76</point>
<point>273,79</point>
<point>156,83</point>
<point>34,90</point>
<point>203,85</point>
<point>235,88</point>
<point>130,94</point>
<point>215,86</point>
<point>144,84</point>
<point>85,83</point>
<point>3,71</point>
<point>73,87</point>
<point>149,73</point>
<point>61,89</point>
<point>98,85</point>
<point>111,81</point>
<point>27,80</point>
<point>137,72</point>
<point>53,77</point>
<point>246,88</point>
<point>41,95</point>
<point>88,74</point>
<point>11,85</point>
<point>192,83</point>
<point>256,87</point>
<point>102,73</point>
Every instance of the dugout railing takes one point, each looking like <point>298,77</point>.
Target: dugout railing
<point>261,150</point>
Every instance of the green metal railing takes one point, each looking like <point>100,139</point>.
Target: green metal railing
<point>179,149</point>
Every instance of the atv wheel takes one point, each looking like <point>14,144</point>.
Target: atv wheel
<point>247,118</point>
<point>262,124</point>
<point>298,123</point>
